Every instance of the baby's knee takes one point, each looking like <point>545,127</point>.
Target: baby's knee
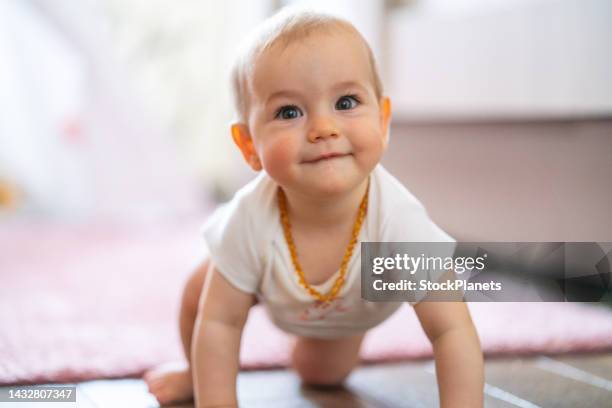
<point>315,374</point>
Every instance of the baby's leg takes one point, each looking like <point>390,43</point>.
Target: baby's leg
<point>325,362</point>
<point>171,383</point>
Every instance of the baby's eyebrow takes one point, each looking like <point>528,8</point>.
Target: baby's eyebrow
<point>349,84</point>
<point>285,92</point>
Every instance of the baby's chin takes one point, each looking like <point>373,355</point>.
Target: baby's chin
<point>334,185</point>
<point>335,178</point>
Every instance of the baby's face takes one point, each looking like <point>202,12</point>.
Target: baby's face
<point>316,123</point>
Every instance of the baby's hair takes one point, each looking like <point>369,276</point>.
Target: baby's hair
<point>283,28</point>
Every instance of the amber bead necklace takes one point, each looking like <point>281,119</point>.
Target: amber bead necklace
<point>333,293</point>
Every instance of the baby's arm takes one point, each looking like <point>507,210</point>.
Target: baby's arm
<point>459,360</point>
<point>215,348</point>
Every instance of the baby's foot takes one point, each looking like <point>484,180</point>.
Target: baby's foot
<point>170,383</point>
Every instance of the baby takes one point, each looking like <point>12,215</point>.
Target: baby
<point>312,118</point>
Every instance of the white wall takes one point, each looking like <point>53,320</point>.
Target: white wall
<point>475,59</point>
<point>513,181</point>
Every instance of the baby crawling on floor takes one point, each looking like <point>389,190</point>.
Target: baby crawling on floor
<point>312,119</point>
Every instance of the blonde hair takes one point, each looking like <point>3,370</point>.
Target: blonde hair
<point>288,25</point>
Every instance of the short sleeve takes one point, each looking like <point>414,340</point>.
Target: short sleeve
<point>408,221</point>
<point>233,247</point>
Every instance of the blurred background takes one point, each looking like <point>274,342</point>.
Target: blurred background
<point>120,110</point>
<point>115,147</point>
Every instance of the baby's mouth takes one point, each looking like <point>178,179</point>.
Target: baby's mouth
<point>326,157</point>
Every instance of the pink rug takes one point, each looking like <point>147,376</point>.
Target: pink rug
<point>89,301</point>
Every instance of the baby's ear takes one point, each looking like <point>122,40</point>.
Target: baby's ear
<point>385,118</point>
<point>242,138</point>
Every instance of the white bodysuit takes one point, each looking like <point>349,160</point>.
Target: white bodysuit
<point>247,246</point>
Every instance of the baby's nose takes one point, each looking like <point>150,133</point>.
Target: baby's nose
<point>321,128</point>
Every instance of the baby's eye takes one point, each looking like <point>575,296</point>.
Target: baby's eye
<point>288,112</point>
<point>347,102</point>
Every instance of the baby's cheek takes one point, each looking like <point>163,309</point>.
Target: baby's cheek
<point>278,158</point>
<point>368,141</point>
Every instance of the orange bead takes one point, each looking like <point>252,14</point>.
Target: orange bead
<point>284,216</point>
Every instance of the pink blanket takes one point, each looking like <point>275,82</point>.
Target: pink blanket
<point>88,301</point>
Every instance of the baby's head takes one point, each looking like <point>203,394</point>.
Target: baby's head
<point>309,102</point>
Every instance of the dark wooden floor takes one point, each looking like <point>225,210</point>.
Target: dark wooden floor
<point>567,381</point>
